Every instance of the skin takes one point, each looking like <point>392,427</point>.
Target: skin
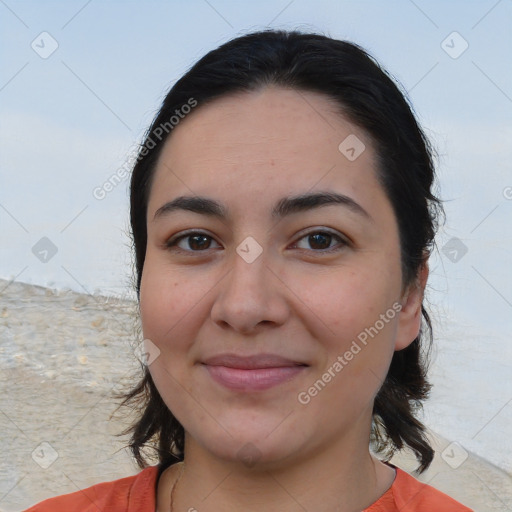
<point>247,151</point>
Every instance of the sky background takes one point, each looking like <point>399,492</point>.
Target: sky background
<point>70,119</point>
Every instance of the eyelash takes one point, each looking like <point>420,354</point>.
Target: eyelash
<point>171,244</point>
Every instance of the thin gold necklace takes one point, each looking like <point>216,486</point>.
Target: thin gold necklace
<point>176,483</point>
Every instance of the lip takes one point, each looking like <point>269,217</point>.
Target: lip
<point>252,373</point>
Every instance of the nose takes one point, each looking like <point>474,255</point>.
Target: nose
<point>250,297</point>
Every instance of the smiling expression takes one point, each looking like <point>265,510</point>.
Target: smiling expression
<point>268,253</point>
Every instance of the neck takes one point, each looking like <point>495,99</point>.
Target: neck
<point>343,477</point>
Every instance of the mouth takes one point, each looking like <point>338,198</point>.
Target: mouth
<point>252,373</point>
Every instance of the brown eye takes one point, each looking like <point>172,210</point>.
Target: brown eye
<point>320,241</point>
<point>191,242</point>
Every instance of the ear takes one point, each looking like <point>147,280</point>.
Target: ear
<point>409,320</point>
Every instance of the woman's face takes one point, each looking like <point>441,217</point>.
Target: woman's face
<point>274,316</point>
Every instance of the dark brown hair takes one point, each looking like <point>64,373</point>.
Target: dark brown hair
<point>372,100</point>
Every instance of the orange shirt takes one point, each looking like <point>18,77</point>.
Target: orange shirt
<point>138,494</point>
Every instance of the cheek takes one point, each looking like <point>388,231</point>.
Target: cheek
<point>168,296</point>
<point>349,300</point>
<point>358,346</point>
<point>166,299</point>
<point>356,305</point>
<point>170,309</point>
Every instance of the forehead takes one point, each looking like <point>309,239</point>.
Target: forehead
<point>271,141</point>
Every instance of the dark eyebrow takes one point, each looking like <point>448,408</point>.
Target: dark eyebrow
<point>304,202</point>
<point>285,206</point>
<point>196,204</point>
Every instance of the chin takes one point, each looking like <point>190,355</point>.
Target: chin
<point>253,454</point>
<point>254,446</point>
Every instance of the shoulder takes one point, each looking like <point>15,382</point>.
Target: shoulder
<point>130,494</point>
<point>411,495</point>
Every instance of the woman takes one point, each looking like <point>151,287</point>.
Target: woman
<point>282,218</point>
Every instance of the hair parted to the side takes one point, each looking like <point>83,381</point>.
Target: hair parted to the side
<point>368,97</point>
